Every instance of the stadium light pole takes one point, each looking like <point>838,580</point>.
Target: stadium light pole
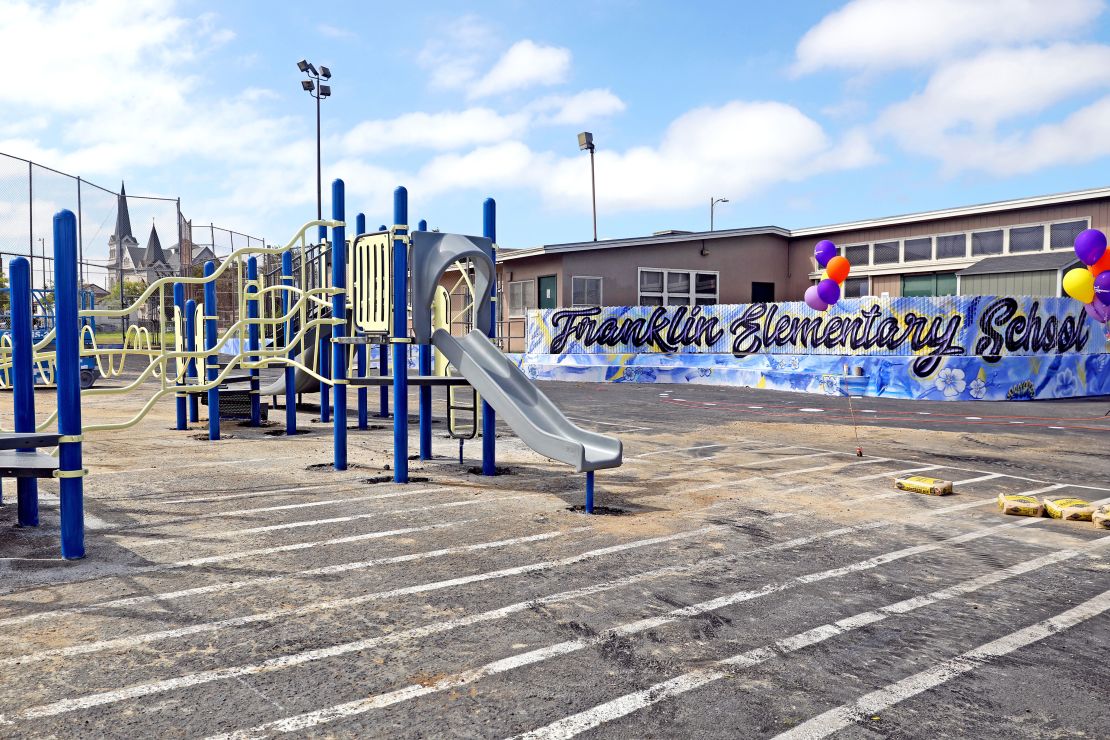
<point>713,204</point>
<point>586,141</point>
<point>314,86</point>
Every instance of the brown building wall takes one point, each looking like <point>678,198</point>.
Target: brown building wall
<point>891,284</point>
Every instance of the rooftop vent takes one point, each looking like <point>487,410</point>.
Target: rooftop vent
<point>670,232</point>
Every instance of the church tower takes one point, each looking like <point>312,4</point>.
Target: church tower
<point>121,241</point>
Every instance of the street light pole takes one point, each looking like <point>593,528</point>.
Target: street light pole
<point>713,204</point>
<point>586,141</point>
<point>315,87</point>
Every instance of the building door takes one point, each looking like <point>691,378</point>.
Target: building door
<point>919,285</point>
<point>548,286</point>
<point>763,292</point>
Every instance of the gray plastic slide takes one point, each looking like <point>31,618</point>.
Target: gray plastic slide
<point>527,411</point>
<point>302,381</point>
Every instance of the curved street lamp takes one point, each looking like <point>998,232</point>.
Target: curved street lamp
<point>713,204</point>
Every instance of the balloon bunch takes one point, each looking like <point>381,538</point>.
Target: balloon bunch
<point>827,292</point>
<point>1090,285</point>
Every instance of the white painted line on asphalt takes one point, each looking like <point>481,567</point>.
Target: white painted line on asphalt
<point>896,473</point>
<point>126,643</point>
<point>251,494</point>
<point>313,719</point>
<point>622,706</point>
<point>97,473</point>
<point>140,541</point>
<point>974,418</point>
<point>838,466</point>
<point>755,407</point>
<point>1017,422</point>
<point>881,699</point>
<point>1057,427</point>
<point>868,411</point>
<point>679,449</point>
<point>989,476</point>
<point>235,585</point>
<point>812,411</point>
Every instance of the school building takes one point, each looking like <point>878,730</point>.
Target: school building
<point>1014,247</point>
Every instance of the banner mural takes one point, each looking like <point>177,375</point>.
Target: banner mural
<point>954,347</point>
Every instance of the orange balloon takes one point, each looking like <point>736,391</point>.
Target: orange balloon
<point>838,268</point>
<point>1102,265</point>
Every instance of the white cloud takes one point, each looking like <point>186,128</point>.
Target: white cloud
<point>958,116</point>
<point>453,53</point>
<point>525,64</point>
<point>882,34</point>
<point>335,32</point>
<point>580,108</point>
<point>440,131</point>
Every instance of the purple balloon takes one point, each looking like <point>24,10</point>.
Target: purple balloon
<point>1089,246</point>
<point>828,291</point>
<point>1102,287</point>
<point>1097,311</point>
<point>824,251</point>
<point>814,301</point>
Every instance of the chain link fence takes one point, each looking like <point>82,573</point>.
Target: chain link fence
<point>125,242</point>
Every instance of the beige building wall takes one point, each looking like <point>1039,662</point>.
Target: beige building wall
<point>890,284</point>
<point>1040,283</point>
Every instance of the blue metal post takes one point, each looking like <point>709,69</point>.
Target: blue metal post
<point>400,337</point>
<point>323,366</point>
<point>211,358</point>
<point>424,364</point>
<point>360,349</point>
<point>489,420</point>
<point>290,371</point>
<point>191,346</point>
<point>590,492</point>
<point>253,344</point>
<point>339,311</point>
<point>383,370</point>
<point>23,381</point>
<point>68,377</point>
<point>179,304</point>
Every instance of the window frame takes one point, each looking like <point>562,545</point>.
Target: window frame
<point>692,295</point>
<point>524,310</point>
<point>600,291</point>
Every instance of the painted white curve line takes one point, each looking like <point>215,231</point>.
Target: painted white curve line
<point>622,706</point>
<point>841,717</point>
<point>361,706</point>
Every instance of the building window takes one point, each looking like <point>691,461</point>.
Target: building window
<point>1027,239</point>
<point>678,287</point>
<point>855,287</point>
<point>886,253</point>
<point>986,242</point>
<point>585,291</point>
<point>1062,236</point>
<point>522,297</point>
<point>951,246</point>
<point>858,254</point>
<point>917,250</point>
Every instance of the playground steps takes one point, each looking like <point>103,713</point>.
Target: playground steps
<point>16,464</point>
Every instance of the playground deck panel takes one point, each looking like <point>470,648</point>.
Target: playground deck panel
<point>242,586</point>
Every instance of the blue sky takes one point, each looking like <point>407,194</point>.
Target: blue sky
<point>826,113</point>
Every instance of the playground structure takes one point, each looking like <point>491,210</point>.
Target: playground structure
<point>315,311</point>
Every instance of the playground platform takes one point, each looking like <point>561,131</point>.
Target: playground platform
<point>753,577</point>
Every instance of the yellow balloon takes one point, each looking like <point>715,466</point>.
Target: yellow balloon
<point>1079,283</point>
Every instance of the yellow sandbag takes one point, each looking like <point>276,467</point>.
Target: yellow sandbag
<point>921,484</point>
<point>1101,517</point>
<point>1072,509</point>
<point>1019,505</point>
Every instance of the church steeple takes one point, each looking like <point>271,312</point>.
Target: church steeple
<point>123,217</point>
<point>154,254</point>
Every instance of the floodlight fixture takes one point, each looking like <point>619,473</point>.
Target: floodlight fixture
<point>302,65</point>
<point>308,85</point>
<point>325,72</point>
<point>312,70</point>
<point>586,141</point>
<point>325,91</point>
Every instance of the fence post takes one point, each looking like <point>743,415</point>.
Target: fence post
<point>383,370</point>
<point>211,358</point>
<point>191,347</point>
<point>252,338</point>
<point>360,349</point>
<point>489,420</point>
<point>290,371</point>
<point>400,336</point>
<point>67,375</point>
<point>23,380</point>
<point>339,311</point>
<point>179,326</point>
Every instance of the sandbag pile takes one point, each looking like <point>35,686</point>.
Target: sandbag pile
<point>1067,508</point>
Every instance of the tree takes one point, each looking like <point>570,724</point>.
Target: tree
<point>132,289</point>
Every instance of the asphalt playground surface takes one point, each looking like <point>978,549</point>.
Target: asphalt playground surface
<point>755,578</point>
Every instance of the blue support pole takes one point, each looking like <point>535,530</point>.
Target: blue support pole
<point>323,366</point>
<point>590,492</point>
<point>253,344</point>
<point>290,372</point>
<point>179,304</point>
<point>211,358</point>
<point>191,346</point>
<point>68,377</point>
<point>424,365</point>
<point>23,381</point>
<point>400,337</point>
<point>360,349</point>
<point>489,419</point>
<point>383,370</point>
<point>339,311</point>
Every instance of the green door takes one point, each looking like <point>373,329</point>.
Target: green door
<point>548,286</point>
<point>946,283</point>
<point>942,283</point>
